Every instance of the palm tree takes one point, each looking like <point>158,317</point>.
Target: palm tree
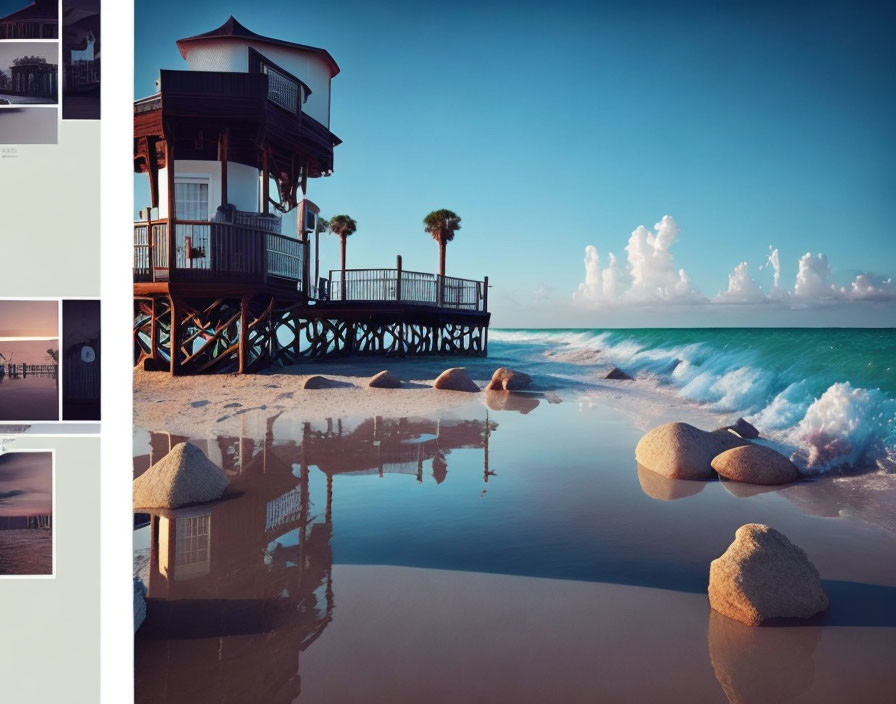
<point>322,225</point>
<point>442,224</point>
<point>344,226</point>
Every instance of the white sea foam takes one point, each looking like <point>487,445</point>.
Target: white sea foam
<point>839,427</point>
<point>846,426</point>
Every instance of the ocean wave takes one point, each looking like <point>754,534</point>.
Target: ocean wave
<point>803,389</point>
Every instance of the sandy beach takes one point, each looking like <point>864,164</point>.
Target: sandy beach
<point>193,404</point>
<point>411,635</point>
<point>485,547</point>
<point>25,552</point>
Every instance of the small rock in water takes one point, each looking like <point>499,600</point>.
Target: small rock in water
<point>681,451</point>
<point>183,476</point>
<point>763,575</point>
<point>505,379</point>
<point>317,382</point>
<point>455,379</point>
<point>617,373</point>
<point>755,464</point>
<point>743,428</point>
<point>384,380</point>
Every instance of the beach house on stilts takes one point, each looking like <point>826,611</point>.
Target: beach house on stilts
<point>222,253</point>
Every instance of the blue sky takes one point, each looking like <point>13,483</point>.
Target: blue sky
<point>551,127</point>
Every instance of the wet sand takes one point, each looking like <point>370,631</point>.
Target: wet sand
<point>549,496</point>
<point>417,635</point>
<point>191,405</point>
<point>439,636</point>
<point>26,552</point>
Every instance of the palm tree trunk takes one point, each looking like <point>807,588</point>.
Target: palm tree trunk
<point>342,239</point>
<point>443,245</point>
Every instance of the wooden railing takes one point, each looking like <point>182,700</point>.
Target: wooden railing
<point>216,252</point>
<point>409,287</point>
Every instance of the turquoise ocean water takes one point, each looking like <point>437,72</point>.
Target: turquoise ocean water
<point>830,394</point>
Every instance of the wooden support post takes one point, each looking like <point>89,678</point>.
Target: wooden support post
<point>172,210</point>
<point>153,331</point>
<point>398,278</point>
<point>244,334</point>
<point>485,310</point>
<point>223,148</point>
<point>174,337</point>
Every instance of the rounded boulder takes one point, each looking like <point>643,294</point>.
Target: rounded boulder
<point>755,464</point>
<point>505,379</point>
<point>681,451</point>
<point>455,379</point>
<point>763,575</point>
<point>384,380</point>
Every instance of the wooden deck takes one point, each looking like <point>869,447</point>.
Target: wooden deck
<point>239,299</point>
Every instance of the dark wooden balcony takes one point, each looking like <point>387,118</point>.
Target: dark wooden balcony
<point>217,253</point>
<point>193,104</point>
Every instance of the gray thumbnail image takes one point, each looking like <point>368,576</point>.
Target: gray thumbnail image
<point>29,73</point>
<point>28,125</point>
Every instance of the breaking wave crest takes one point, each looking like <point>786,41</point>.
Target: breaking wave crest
<point>830,395</point>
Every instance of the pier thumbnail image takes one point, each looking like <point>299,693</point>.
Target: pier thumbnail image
<point>26,513</point>
<point>21,19</point>
<point>29,73</point>
<point>81,360</point>
<point>29,360</point>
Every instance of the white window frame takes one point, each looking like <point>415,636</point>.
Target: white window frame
<point>199,179</point>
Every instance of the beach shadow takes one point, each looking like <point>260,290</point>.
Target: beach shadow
<point>756,665</point>
<point>859,604</point>
<point>656,486</point>
<point>328,383</point>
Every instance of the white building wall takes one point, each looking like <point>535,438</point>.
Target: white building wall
<point>242,184</point>
<point>233,55</point>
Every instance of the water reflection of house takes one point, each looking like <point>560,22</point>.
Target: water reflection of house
<point>237,589</point>
<point>37,20</point>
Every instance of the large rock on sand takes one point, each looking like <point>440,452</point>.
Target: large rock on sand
<point>183,476</point>
<point>318,382</point>
<point>763,575</point>
<point>681,451</point>
<point>505,379</point>
<point>384,380</point>
<point>755,464</point>
<point>455,379</point>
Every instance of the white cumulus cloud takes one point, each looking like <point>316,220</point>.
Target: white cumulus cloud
<point>741,287</point>
<point>650,275</point>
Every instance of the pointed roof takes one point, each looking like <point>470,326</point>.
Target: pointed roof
<point>232,29</point>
